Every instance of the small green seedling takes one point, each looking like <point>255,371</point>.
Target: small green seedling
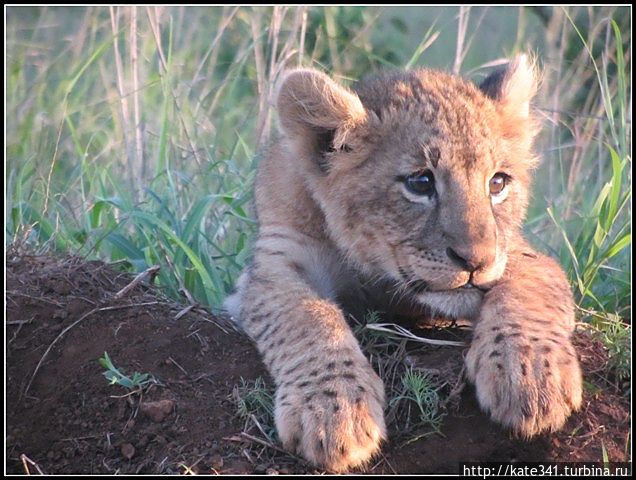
<point>116,376</point>
<point>254,400</point>
<point>419,390</point>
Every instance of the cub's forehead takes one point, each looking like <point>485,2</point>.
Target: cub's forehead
<point>432,115</point>
<point>432,95</point>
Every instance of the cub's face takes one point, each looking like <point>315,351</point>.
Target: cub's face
<point>422,177</point>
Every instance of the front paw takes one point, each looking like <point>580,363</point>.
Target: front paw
<point>528,381</point>
<point>334,416</point>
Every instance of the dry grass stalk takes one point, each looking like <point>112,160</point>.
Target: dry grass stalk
<point>123,100</point>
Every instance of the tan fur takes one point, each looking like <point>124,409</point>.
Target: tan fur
<point>337,220</point>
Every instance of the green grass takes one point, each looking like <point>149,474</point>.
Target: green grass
<point>134,133</point>
<point>616,336</point>
<point>254,401</point>
<point>603,229</point>
<point>418,401</point>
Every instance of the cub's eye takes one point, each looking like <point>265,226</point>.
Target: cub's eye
<point>421,183</point>
<point>498,183</point>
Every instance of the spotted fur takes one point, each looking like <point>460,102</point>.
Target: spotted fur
<point>338,221</point>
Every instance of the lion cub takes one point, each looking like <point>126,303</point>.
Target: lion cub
<point>416,182</point>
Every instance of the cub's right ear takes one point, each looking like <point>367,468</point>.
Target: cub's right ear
<point>512,88</point>
<point>312,106</point>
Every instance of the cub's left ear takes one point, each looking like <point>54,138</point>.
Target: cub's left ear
<point>513,87</point>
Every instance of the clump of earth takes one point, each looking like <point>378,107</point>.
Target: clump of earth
<point>64,415</point>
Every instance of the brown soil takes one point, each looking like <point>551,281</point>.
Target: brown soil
<point>71,420</point>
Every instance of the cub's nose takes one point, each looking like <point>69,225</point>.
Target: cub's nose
<point>471,259</point>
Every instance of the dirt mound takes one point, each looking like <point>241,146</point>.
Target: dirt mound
<point>63,314</point>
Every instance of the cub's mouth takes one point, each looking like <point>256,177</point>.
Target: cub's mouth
<point>470,286</point>
<point>420,286</point>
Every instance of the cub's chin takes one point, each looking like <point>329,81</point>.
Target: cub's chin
<point>454,304</point>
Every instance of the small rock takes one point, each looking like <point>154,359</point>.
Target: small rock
<point>216,462</point>
<point>240,468</point>
<point>127,450</point>
<point>157,411</point>
<point>271,471</point>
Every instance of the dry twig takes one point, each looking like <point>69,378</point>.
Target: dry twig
<point>401,332</point>
<point>26,461</point>
<point>148,273</point>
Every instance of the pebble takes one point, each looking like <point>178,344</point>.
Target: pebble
<point>157,411</point>
<point>127,450</point>
<point>216,462</point>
